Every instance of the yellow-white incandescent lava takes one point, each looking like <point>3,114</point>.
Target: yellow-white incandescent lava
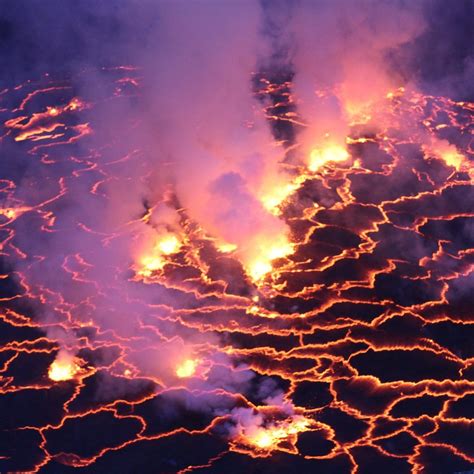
<point>187,368</point>
<point>330,153</point>
<point>156,257</point>
<point>63,368</point>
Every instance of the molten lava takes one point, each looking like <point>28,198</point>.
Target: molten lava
<point>274,198</point>
<point>156,258</point>
<point>187,368</point>
<point>168,244</point>
<point>270,251</point>
<point>337,339</point>
<point>63,368</point>
<point>265,438</point>
<point>150,264</point>
<point>330,153</point>
<point>447,152</point>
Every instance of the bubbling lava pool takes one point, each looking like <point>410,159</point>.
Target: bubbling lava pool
<point>344,345</point>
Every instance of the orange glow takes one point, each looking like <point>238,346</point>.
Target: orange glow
<point>262,264</point>
<point>225,247</point>
<point>395,93</point>
<point>280,249</point>
<point>9,213</point>
<point>275,197</point>
<point>443,150</point>
<point>253,309</point>
<point>75,104</point>
<point>259,269</point>
<point>150,264</point>
<point>63,368</point>
<point>264,439</point>
<point>155,260</point>
<point>168,245</point>
<point>330,153</point>
<point>268,438</point>
<point>452,158</point>
<point>187,368</point>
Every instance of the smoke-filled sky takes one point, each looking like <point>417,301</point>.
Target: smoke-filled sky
<point>45,36</point>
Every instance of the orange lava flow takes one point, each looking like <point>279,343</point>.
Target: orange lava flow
<point>344,346</point>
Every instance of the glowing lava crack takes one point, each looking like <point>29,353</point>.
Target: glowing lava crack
<point>341,342</point>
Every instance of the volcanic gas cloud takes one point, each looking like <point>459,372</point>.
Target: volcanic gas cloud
<point>236,237</point>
